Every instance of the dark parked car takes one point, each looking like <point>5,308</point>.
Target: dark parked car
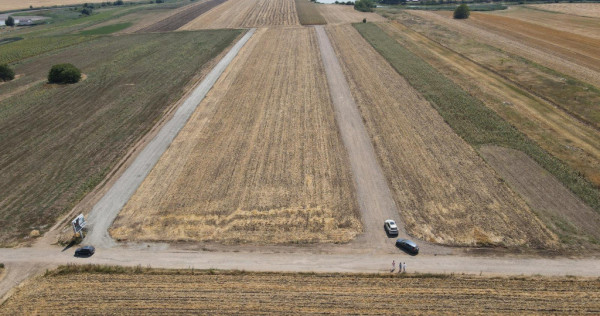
<point>390,227</point>
<point>85,251</point>
<point>408,246</point>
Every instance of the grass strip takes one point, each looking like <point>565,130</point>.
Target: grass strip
<point>473,121</point>
<point>108,29</point>
<point>308,14</point>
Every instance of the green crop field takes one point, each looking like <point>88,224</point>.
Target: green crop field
<point>469,117</point>
<point>109,29</point>
<point>308,14</point>
<point>59,142</point>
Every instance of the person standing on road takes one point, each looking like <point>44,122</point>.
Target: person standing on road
<point>399,267</point>
<point>403,266</point>
<point>393,266</point>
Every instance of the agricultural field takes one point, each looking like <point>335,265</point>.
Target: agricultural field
<point>342,14</point>
<point>182,17</point>
<point>7,5</point>
<point>251,166</point>
<point>115,290</point>
<point>59,142</point>
<point>445,192</point>
<point>550,107</point>
<point>585,26</point>
<point>308,13</point>
<point>247,13</point>
<point>580,9</point>
<point>469,117</point>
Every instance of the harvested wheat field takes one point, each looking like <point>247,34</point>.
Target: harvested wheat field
<point>445,192</point>
<point>514,46</point>
<point>260,161</point>
<point>581,25</point>
<point>340,14</point>
<point>498,80</point>
<point>247,13</point>
<point>581,9</point>
<point>115,290</point>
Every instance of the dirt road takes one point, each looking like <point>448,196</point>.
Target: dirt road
<point>374,196</point>
<point>107,209</point>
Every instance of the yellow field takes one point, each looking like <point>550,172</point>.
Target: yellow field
<point>260,161</point>
<point>444,191</point>
<point>581,9</point>
<point>340,14</point>
<point>224,293</point>
<point>247,13</point>
<point>24,4</point>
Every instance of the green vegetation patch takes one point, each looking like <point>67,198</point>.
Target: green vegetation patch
<point>308,13</point>
<point>29,47</point>
<point>469,117</point>
<point>108,29</point>
<point>60,141</point>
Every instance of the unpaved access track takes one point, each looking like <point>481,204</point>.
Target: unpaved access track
<point>107,209</point>
<point>375,199</point>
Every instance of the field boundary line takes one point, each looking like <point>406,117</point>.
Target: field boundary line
<point>108,207</point>
<point>374,195</point>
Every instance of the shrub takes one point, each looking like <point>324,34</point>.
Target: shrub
<point>364,5</point>
<point>64,73</point>
<point>462,12</point>
<point>10,21</point>
<point>86,11</point>
<point>6,74</point>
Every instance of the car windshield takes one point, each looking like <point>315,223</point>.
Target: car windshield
<point>410,243</point>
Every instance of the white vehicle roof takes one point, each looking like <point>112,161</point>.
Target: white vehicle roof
<point>391,222</point>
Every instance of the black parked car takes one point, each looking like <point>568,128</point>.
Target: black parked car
<point>85,251</point>
<point>408,245</point>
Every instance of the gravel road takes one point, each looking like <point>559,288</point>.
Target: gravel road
<point>109,206</point>
<point>374,196</point>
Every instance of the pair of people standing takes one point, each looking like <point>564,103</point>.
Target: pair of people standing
<point>401,266</point>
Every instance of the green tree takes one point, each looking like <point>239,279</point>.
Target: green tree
<point>364,5</point>
<point>10,21</point>
<point>6,73</point>
<point>462,12</point>
<point>64,73</point>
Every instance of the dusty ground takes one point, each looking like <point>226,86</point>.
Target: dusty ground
<point>341,14</point>
<point>160,291</point>
<point>443,189</point>
<point>544,194</point>
<point>585,26</point>
<point>581,9</point>
<point>252,166</point>
<point>469,64</point>
<point>247,13</point>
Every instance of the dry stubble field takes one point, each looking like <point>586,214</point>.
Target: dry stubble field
<point>340,14</point>
<point>260,161</point>
<point>445,192</point>
<point>247,13</point>
<point>6,5</point>
<point>581,9</point>
<point>146,291</point>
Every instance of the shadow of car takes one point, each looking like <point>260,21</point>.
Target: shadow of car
<point>85,251</point>
<point>408,246</point>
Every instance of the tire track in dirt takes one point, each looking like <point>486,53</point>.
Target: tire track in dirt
<point>374,196</point>
<point>107,209</point>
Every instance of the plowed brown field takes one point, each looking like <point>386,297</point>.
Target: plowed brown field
<point>182,17</point>
<point>339,14</point>
<point>247,13</point>
<point>514,46</point>
<point>580,49</point>
<point>581,9</point>
<point>260,161</point>
<point>585,26</point>
<point>224,293</point>
<point>443,189</point>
